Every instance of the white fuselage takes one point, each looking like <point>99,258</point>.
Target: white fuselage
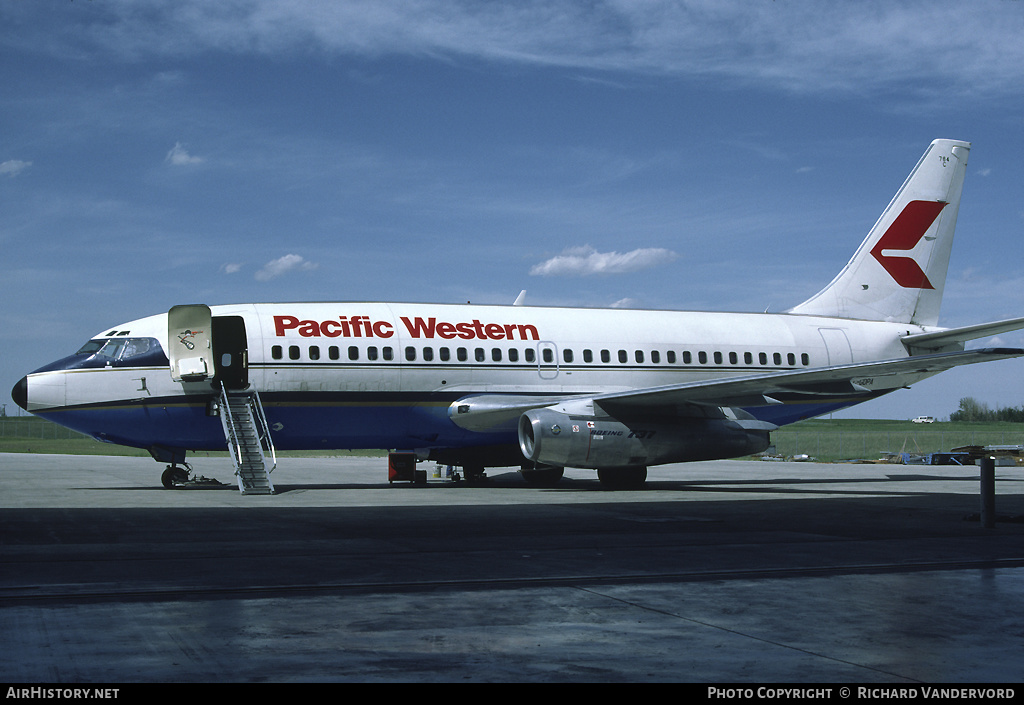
<point>383,375</point>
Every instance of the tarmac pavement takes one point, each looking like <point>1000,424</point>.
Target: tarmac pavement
<point>716,572</point>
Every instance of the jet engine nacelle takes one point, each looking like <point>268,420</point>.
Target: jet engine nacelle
<point>554,438</point>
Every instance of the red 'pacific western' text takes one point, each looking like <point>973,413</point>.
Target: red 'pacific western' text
<point>365,327</point>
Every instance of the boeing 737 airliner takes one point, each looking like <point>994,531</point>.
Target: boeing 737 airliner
<point>541,388</point>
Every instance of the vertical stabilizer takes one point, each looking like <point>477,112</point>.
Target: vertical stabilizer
<point>899,271</point>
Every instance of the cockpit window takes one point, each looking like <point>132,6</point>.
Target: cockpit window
<point>130,351</point>
<point>112,348</point>
<point>90,347</point>
<point>113,352</point>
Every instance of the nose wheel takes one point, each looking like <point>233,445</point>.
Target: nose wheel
<point>175,475</point>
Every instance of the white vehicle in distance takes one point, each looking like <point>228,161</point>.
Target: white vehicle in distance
<point>924,419</point>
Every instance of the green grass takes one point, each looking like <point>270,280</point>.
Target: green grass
<point>29,434</point>
<point>852,439</point>
<point>825,439</point>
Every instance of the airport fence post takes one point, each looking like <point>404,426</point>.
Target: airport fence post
<point>988,492</point>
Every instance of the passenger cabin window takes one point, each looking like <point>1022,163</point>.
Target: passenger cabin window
<point>276,352</point>
<point>588,356</point>
<point>606,356</point>
<point>530,355</point>
<point>567,355</point>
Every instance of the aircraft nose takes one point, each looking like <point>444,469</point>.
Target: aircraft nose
<point>20,393</point>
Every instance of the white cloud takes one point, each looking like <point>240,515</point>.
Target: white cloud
<point>585,260</point>
<point>800,45</point>
<point>232,267</point>
<point>284,265</point>
<point>179,156</point>
<point>13,167</point>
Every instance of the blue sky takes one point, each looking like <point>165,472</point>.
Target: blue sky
<point>684,155</point>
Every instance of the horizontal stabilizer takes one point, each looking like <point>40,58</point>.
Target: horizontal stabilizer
<point>954,336</point>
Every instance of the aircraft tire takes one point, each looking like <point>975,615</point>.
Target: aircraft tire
<point>629,478</point>
<point>173,476</point>
<point>542,477</point>
<point>475,474</point>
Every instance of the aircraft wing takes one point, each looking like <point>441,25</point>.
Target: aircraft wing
<point>486,411</point>
<point>821,381</point>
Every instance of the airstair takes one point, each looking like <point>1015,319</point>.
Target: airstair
<point>248,438</point>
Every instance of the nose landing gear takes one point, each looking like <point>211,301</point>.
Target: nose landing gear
<point>175,475</point>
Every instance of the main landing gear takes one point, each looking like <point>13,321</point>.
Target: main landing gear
<point>474,474</point>
<point>627,478</point>
<point>622,478</point>
<point>544,476</point>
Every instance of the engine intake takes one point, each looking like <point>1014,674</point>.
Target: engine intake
<point>554,438</point>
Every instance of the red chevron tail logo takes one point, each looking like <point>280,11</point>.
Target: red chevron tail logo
<point>903,235</point>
